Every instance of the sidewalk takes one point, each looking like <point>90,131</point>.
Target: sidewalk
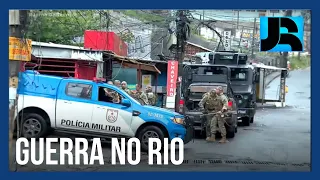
<point>271,77</point>
<point>268,80</point>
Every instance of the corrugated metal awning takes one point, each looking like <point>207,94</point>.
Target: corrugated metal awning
<point>60,51</point>
<point>133,63</point>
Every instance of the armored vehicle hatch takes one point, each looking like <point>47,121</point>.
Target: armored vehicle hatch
<point>227,58</point>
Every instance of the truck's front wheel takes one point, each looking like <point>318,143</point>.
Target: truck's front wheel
<point>149,132</point>
<point>33,126</point>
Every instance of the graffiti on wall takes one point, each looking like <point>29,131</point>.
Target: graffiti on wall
<point>140,47</point>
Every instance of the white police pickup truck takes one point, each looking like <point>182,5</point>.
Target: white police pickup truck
<point>81,107</point>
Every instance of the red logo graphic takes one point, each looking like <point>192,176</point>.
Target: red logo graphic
<point>112,115</point>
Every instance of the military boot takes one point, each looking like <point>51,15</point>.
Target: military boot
<point>211,138</point>
<point>223,140</point>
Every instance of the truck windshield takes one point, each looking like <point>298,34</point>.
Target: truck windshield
<point>239,74</point>
<point>209,70</point>
<point>204,89</point>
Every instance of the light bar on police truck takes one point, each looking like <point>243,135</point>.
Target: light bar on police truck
<point>99,80</point>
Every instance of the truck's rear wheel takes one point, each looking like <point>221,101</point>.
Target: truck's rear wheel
<point>231,132</point>
<point>251,119</point>
<point>149,132</point>
<point>246,121</point>
<point>33,126</point>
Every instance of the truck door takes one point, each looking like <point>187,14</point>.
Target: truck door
<point>111,117</point>
<point>74,105</point>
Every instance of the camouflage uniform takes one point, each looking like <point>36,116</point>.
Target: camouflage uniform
<point>222,104</point>
<point>152,98</point>
<point>128,91</point>
<point>214,103</point>
<point>141,97</point>
<point>207,103</point>
<point>114,95</point>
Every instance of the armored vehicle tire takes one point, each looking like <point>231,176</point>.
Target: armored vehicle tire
<point>149,132</point>
<point>246,121</point>
<point>231,132</point>
<point>251,119</point>
<point>34,126</point>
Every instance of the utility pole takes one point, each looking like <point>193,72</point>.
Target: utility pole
<point>253,36</point>
<point>17,25</point>
<point>182,22</point>
<point>285,54</point>
<point>203,15</point>
<point>238,19</point>
<point>201,21</point>
<point>240,37</point>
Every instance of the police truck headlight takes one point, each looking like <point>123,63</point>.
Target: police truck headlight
<point>177,120</point>
<point>245,97</point>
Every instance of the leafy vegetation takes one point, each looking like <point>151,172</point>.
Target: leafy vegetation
<point>63,26</point>
<point>301,63</point>
<point>60,26</point>
<point>126,36</point>
<point>145,16</point>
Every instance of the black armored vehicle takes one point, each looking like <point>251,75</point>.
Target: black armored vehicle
<point>243,78</point>
<point>199,79</point>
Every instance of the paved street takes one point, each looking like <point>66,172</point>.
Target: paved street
<point>278,140</point>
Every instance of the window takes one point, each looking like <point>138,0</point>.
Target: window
<point>226,57</point>
<point>109,95</point>
<point>209,70</point>
<point>239,74</point>
<point>79,90</point>
<point>204,89</point>
<point>243,58</point>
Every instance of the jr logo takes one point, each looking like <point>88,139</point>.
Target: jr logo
<point>281,34</point>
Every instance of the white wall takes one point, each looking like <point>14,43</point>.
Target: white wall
<point>140,47</point>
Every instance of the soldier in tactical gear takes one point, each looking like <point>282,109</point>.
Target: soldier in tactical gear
<point>214,104</point>
<point>139,95</point>
<point>222,107</point>
<point>124,87</point>
<point>152,98</point>
<point>207,104</point>
<point>117,83</point>
<point>115,98</point>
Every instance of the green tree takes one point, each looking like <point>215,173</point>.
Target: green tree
<point>306,15</point>
<point>61,26</point>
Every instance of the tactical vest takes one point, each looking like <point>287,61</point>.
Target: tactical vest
<point>128,91</point>
<point>152,98</point>
<point>213,103</point>
<point>138,97</point>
